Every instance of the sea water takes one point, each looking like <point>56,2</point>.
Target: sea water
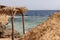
<point>32,18</point>
<point>30,22</point>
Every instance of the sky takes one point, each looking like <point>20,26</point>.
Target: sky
<point>33,4</point>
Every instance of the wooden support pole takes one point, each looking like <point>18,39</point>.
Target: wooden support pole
<point>23,24</point>
<point>12,22</point>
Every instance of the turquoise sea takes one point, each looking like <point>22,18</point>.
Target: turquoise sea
<point>30,22</point>
<point>32,19</point>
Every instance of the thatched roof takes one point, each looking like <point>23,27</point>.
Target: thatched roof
<point>9,10</point>
<point>2,6</point>
<point>6,10</point>
<point>48,30</point>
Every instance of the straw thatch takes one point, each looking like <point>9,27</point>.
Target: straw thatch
<point>21,10</point>
<point>10,10</point>
<point>2,6</point>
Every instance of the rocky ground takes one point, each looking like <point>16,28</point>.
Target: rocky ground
<point>48,30</point>
<point>4,31</point>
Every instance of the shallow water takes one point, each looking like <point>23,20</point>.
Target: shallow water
<point>30,22</point>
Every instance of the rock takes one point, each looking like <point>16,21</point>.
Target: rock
<point>48,30</point>
<point>3,22</point>
<point>4,19</point>
<point>2,27</point>
<point>8,33</point>
<point>4,32</point>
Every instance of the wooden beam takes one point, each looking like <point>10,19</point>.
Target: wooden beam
<point>23,24</point>
<point>12,22</point>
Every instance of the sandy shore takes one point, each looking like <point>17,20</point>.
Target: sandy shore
<point>6,39</point>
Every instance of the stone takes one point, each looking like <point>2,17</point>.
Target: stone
<point>8,33</point>
<point>3,22</point>
<point>4,31</point>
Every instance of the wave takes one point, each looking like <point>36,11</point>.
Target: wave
<point>15,16</point>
